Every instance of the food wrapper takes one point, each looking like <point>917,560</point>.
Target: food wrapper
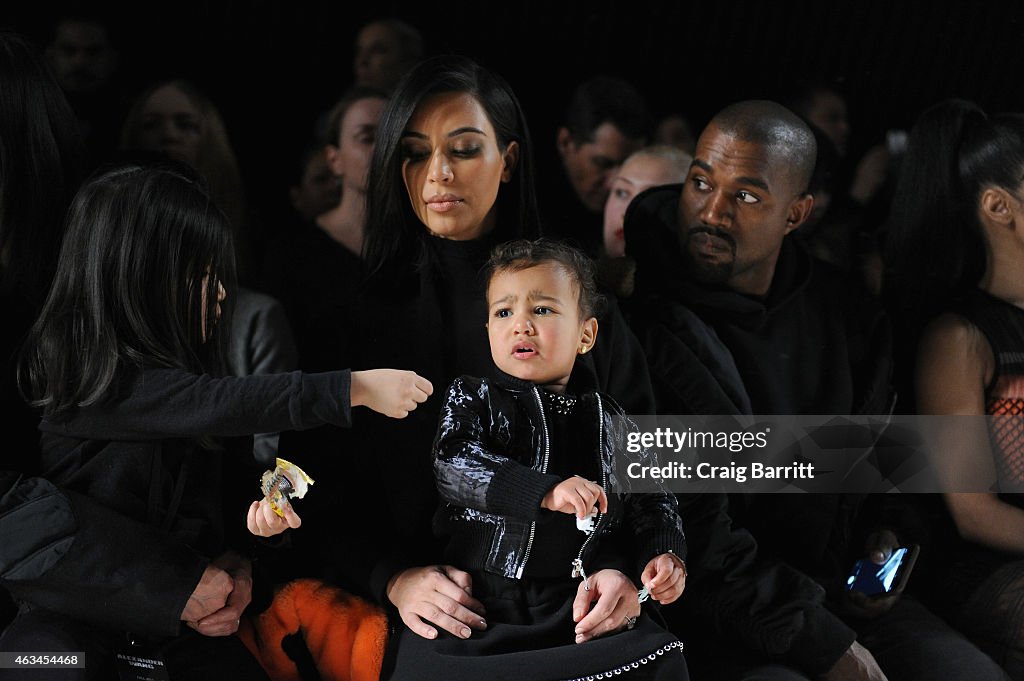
<point>286,481</point>
<point>587,524</point>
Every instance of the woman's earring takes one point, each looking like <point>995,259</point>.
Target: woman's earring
<point>583,349</point>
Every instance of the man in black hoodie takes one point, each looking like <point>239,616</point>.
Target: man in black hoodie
<point>748,323</point>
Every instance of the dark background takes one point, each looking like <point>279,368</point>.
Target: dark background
<point>272,65</point>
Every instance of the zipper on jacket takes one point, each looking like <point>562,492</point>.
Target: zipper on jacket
<point>577,564</point>
<point>543,469</point>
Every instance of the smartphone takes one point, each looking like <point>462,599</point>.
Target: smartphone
<point>872,579</point>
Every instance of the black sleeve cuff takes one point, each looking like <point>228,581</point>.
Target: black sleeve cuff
<point>325,398</point>
<point>657,543</point>
<point>517,491</point>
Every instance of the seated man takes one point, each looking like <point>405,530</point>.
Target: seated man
<point>606,121</point>
<point>749,323</point>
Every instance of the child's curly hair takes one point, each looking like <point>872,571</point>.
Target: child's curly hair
<point>521,254</point>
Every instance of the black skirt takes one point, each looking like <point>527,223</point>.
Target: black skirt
<point>531,637</point>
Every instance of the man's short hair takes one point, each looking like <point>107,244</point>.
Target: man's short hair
<point>785,136</point>
<point>607,99</point>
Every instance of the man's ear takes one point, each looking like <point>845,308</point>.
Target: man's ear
<point>588,336</point>
<point>565,143</point>
<point>511,158</point>
<point>799,211</point>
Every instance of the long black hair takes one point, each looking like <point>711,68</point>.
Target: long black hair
<point>40,156</point>
<point>127,292</point>
<point>394,235</point>
<point>935,248</point>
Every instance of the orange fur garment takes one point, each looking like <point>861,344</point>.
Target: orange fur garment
<point>345,635</point>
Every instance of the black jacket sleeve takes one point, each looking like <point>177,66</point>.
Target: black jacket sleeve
<point>68,554</point>
<point>469,472</point>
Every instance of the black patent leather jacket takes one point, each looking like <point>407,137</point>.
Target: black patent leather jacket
<point>491,457</point>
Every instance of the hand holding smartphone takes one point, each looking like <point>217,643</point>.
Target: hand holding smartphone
<point>874,580</point>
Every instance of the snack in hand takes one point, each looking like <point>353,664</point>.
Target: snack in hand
<point>286,481</point>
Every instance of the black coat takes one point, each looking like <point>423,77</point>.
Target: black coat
<point>491,460</point>
<point>810,346</point>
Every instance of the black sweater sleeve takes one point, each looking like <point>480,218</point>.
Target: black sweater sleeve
<point>173,403</point>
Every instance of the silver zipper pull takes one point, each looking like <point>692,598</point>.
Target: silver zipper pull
<point>577,571</point>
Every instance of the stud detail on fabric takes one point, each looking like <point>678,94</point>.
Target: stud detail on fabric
<point>674,645</point>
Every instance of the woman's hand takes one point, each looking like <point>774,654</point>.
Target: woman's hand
<point>439,595</point>
<point>263,522</point>
<point>617,605</point>
<point>665,577</point>
<point>576,495</point>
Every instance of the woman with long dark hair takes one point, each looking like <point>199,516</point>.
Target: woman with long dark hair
<point>452,176</point>
<point>955,278</point>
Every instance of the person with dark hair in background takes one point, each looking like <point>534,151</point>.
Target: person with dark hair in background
<point>451,176</point>
<point>751,324</point>
<point>604,122</point>
<point>175,119</point>
<point>861,188</point>
<point>315,189</point>
<point>828,234</point>
<point>315,267</point>
<point>954,258</point>
<point>674,130</point>
<point>85,60</point>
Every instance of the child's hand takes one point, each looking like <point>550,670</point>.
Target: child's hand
<point>576,495</point>
<point>665,577</point>
<point>391,392</point>
<point>263,522</point>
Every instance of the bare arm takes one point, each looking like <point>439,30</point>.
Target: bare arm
<point>954,364</point>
